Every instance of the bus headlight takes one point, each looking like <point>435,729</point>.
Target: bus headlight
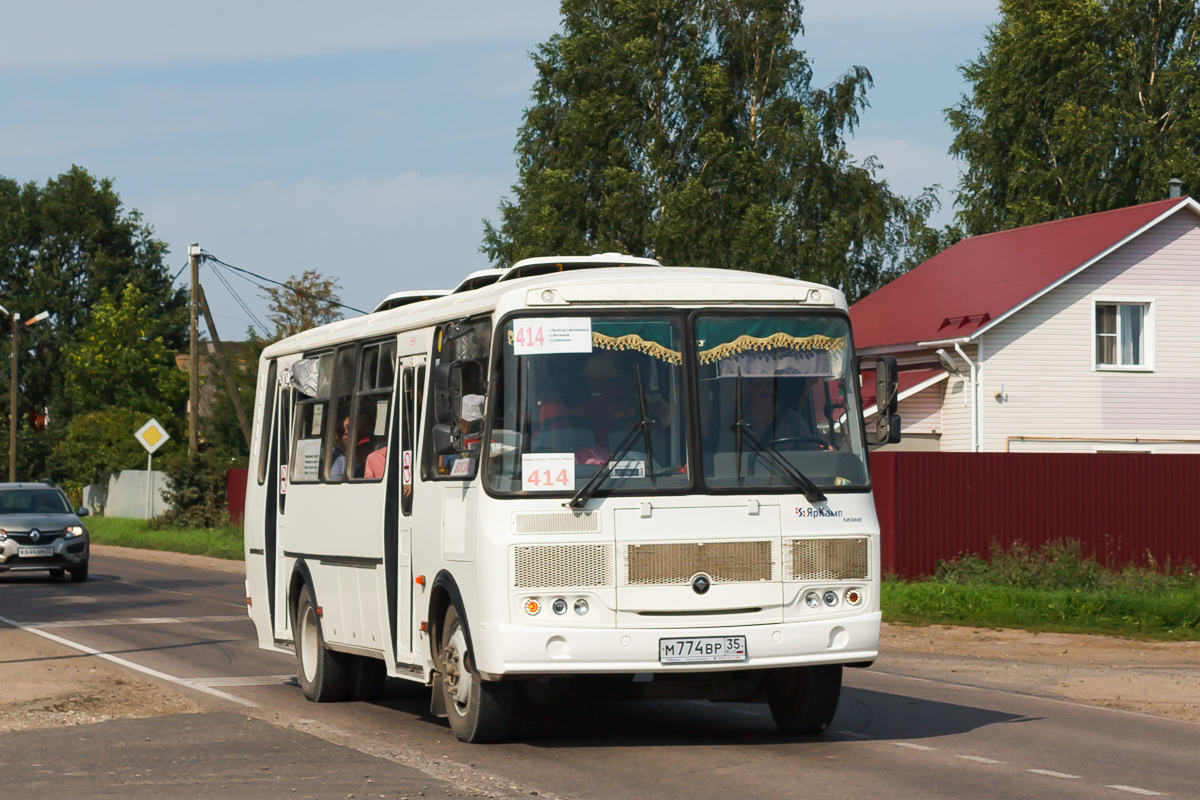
<point>812,600</point>
<point>831,598</point>
<point>581,606</point>
<point>559,606</point>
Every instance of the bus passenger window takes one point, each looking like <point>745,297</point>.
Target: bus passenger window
<point>376,379</point>
<point>310,379</point>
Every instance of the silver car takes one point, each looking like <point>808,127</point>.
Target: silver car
<point>40,531</point>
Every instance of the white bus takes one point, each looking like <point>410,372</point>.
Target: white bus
<point>648,480</point>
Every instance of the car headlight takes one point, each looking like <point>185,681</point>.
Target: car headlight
<point>73,531</point>
<point>3,534</point>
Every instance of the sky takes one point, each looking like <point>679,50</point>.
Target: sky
<point>368,139</point>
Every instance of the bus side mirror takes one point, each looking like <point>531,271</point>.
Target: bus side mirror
<point>445,439</point>
<point>443,408</point>
<point>887,384</point>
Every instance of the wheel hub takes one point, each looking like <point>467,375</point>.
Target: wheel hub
<point>455,675</point>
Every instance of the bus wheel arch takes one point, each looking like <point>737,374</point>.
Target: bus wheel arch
<point>443,594</point>
<point>301,577</point>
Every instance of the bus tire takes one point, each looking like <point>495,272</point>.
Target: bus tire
<point>323,674</point>
<point>368,677</point>
<point>803,700</point>
<point>478,710</point>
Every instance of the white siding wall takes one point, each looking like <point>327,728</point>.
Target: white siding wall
<point>1040,360</point>
<point>922,412</point>
<point>956,415</point>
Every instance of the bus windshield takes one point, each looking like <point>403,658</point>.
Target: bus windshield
<point>777,389</point>
<point>584,394</point>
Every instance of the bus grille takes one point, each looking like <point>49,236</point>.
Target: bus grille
<point>678,562</point>
<point>557,566</point>
<point>556,522</point>
<point>825,559</point>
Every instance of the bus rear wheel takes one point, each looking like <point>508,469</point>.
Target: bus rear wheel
<point>478,710</point>
<point>323,674</point>
<point>803,700</point>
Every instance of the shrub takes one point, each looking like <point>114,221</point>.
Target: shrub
<point>196,491</point>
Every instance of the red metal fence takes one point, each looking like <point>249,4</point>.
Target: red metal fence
<point>1123,507</point>
<point>235,494</point>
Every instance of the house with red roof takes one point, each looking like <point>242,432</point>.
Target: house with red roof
<point>1078,335</point>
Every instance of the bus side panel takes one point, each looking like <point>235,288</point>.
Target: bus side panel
<point>257,592</point>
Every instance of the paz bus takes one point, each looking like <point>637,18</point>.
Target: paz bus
<point>589,472</point>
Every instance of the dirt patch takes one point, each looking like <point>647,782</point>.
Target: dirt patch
<point>164,557</point>
<point>46,685</point>
<point>1151,677</point>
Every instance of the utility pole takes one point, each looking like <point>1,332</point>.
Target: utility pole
<point>12,401</point>
<point>194,364</point>
<point>12,388</point>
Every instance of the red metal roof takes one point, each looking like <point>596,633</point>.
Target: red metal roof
<point>966,286</point>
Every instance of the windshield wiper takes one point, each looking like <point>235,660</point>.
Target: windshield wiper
<point>588,489</point>
<point>586,492</point>
<point>781,466</point>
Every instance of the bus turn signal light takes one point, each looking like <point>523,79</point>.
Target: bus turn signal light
<point>420,580</point>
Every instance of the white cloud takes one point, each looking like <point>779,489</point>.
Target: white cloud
<point>376,236</point>
<point>73,34</point>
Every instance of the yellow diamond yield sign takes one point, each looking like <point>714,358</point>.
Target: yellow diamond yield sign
<point>152,436</point>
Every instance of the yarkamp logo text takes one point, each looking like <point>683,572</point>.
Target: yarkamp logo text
<point>813,512</point>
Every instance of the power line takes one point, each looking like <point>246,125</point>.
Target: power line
<point>240,302</point>
<point>210,257</point>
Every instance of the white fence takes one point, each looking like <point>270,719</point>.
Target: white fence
<point>125,495</point>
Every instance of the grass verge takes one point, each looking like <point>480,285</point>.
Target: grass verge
<point>215,542</point>
<point>1053,588</point>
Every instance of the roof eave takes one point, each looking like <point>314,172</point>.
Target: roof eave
<point>1184,202</point>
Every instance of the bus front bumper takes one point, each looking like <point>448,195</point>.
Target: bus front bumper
<point>509,650</point>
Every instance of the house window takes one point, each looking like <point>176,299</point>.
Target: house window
<point>1122,334</point>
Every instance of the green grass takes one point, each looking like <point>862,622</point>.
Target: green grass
<point>215,542</point>
<point>1055,588</point>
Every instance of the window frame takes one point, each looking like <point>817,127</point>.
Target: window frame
<point>427,456</point>
<point>1148,334</point>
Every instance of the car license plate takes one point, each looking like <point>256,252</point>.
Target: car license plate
<point>31,552</point>
<point>708,648</point>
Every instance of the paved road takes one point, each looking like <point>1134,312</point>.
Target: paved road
<point>894,736</point>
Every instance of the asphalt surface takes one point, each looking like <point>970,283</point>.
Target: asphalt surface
<point>894,735</point>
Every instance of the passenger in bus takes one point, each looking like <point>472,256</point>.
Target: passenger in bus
<point>375,463</point>
<point>337,469</point>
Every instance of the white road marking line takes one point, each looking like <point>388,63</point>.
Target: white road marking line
<point>980,759</point>
<point>1051,773</point>
<point>1132,789</point>
<point>168,591</point>
<point>83,648</point>
<point>254,680</point>
<point>855,734</point>
<point>912,746</point>
<point>100,623</point>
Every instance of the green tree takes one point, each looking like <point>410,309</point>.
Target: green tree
<point>1078,106</point>
<point>304,301</point>
<point>62,246</point>
<point>120,361</point>
<point>690,132</point>
<point>101,442</point>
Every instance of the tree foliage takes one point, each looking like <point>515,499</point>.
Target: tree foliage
<point>690,131</point>
<point>64,247</point>
<point>304,301</point>
<point>119,361</point>
<point>1078,106</point>
<point>100,442</point>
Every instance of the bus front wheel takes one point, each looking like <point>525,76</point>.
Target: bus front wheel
<point>803,700</point>
<point>478,710</point>
<point>323,674</point>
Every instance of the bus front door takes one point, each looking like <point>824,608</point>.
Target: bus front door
<point>401,484</point>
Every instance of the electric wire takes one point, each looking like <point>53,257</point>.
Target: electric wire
<point>238,299</point>
<point>210,257</point>
<point>177,274</point>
